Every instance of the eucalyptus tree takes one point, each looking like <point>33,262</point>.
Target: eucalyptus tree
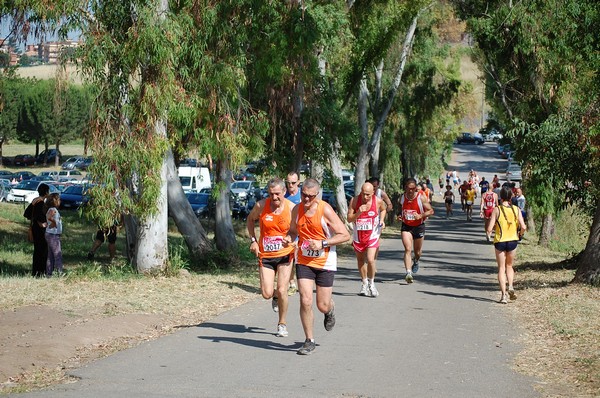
<point>9,107</point>
<point>542,60</point>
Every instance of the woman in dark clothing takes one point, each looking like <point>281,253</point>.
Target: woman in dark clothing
<point>38,223</point>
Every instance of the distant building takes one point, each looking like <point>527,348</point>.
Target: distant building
<point>52,50</point>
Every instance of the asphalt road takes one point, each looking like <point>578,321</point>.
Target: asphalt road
<point>442,336</point>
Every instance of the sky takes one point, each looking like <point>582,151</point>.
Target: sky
<point>5,30</point>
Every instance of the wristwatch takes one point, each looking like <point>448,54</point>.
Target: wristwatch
<point>252,240</point>
<point>324,244</point>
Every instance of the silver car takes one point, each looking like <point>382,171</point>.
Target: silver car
<point>513,172</point>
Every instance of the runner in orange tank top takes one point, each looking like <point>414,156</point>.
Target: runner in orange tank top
<point>274,215</point>
<point>318,230</point>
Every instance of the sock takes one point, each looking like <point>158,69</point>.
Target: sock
<point>371,281</point>
<point>365,281</point>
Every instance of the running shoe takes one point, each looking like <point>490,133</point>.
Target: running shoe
<point>274,304</point>
<point>329,320</point>
<point>408,278</point>
<point>415,267</point>
<point>282,330</point>
<point>292,289</point>
<point>364,290</point>
<point>373,292</point>
<point>512,294</point>
<point>307,348</point>
<point>504,299</point>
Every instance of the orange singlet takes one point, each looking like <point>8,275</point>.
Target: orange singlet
<point>411,207</point>
<point>273,227</point>
<point>315,228</point>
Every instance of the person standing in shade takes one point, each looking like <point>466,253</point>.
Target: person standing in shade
<point>449,200</point>
<point>509,227</point>
<point>36,213</point>
<point>318,230</point>
<point>274,216</point>
<point>367,212</point>
<point>292,193</point>
<point>413,212</point>
<point>53,231</point>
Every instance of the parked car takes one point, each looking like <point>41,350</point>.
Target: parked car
<point>51,156</point>
<point>61,186</point>
<point>4,190</point>
<point>329,196</point>
<point>244,194</point>
<point>469,138</point>
<point>24,160</point>
<point>26,191</point>
<point>23,175</point>
<point>9,175</point>
<point>70,176</point>
<point>49,175</point>
<point>513,172</point>
<point>202,204</point>
<point>85,164</point>
<point>6,161</point>
<point>75,196</point>
<point>506,151</point>
<point>72,163</point>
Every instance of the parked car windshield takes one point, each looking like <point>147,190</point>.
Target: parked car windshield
<point>241,185</point>
<point>74,190</point>
<point>28,185</point>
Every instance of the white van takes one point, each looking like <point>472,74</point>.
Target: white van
<point>193,179</point>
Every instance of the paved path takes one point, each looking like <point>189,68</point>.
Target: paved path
<point>442,336</point>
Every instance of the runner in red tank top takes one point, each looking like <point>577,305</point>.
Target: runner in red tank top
<point>413,212</point>
<point>489,201</point>
<point>367,212</point>
<point>274,215</point>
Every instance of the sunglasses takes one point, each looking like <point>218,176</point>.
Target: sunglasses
<point>305,195</point>
<point>291,182</point>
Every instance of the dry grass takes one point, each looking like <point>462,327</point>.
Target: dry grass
<point>562,338</point>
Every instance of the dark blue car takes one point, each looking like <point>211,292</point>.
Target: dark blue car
<point>74,196</point>
<point>202,203</point>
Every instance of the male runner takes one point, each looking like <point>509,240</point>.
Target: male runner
<point>274,216</point>
<point>367,212</point>
<point>292,193</point>
<point>413,212</point>
<point>318,229</point>
<point>489,200</point>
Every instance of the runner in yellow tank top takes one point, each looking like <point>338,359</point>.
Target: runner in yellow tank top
<point>318,229</point>
<point>507,218</point>
<point>274,215</point>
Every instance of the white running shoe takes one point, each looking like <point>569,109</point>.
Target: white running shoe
<point>364,290</point>
<point>373,292</point>
<point>409,277</point>
<point>282,330</point>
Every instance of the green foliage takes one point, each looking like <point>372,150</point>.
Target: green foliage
<point>573,225</point>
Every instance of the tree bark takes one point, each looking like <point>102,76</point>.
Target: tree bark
<point>224,232</point>
<point>588,270</point>
<point>181,212</point>
<point>151,248</point>
<point>547,230</point>
<point>336,169</point>
<point>362,162</point>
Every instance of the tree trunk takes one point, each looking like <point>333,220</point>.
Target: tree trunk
<point>181,212</point>
<point>336,169</point>
<point>530,218</point>
<point>57,158</point>
<point>224,232</point>
<point>151,247</point>
<point>588,270</point>
<point>362,162</point>
<point>547,230</point>
<point>298,134</point>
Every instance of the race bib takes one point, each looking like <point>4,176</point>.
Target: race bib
<point>308,252</point>
<point>272,243</point>
<point>409,215</point>
<point>363,224</point>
